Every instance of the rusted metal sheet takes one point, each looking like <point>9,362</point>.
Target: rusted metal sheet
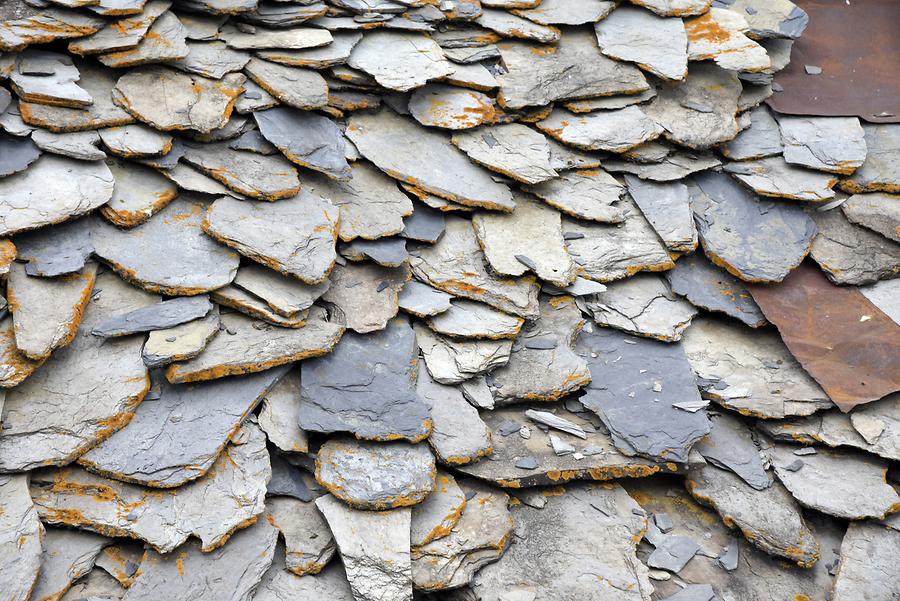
<point>857,46</point>
<point>845,342</point>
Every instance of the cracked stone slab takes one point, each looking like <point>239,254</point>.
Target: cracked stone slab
<point>849,254</point>
<point>879,171</point>
<point>44,77</point>
<point>139,193</point>
<point>635,388</point>
<point>589,194</point>
<point>81,145</point>
<point>182,342</point>
<point>256,346</point>
<point>171,100</point>
<point>365,297</point>
<point>279,413</point>
<point>346,390</point>
<point>122,34</point>
<point>761,139</point>
<point>284,295</point>
<point>295,236</point>
<point>868,564</point>
<point>719,35</point>
<point>409,153</point>
<point>56,250</point>
<point>848,485</point>
<point>374,548</point>
<point>877,212</point>
<point>538,75</point>
<point>452,361</point>
<point>846,345</point>
<point>750,371</point>
<point>435,517</point>
<point>253,99</point>
<point>643,305</point>
<point>771,19</point>
<point>230,573</point>
<point>168,254</point>
<point>422,300</point>
<point>387,252</point>
<point>560,12</point>
<point>611,252</point>
<point>543,365</point>
<point>322,57</point>
<point>470,319</point>
<point>21,535</point>
<point>615,130</point>
<point>85,392</point>
<point>68,555</point>
<point>163,447</point>
<point>512,149</point>
<point>211,59</point>
<point>121,561</point>
<point>450,107</point>
<point>32,26</point>
<point>459,436</point>
<point>456,265</point>
<point>299,88</point>
<point>278,584</point>
<point>52,190</point>
<point>730,445</point>
<point>309,545</point>
<point>832,144</point>
<point>255,175</point>
<point>165,42</point>
<point>507,24</point>
<point>587,517</point>
<point>604,103</point>
<point>666,205</point>
<point>376,475</point>
<point>673,167</point>
<point>211,508</point>
<point>528,239</point>
<point>305,138</point>
<point>16,154</point>
<point>160,316</point>
<point>656,44</point>
<point>46,312</point>
<point>700,111</point>
<point>755,240</point>
<point>424,225</point>
<point>399,60</point>
<point>774,177</point>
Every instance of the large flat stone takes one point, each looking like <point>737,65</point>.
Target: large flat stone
<point>46,77</point>
<point>21,535</point>
<point>164,42</point>
<point>68,555</point>
<point>248,173</point>
<point>122,34</point>
<point>718,35</point>
<point>869,563</point>
<point>849,254</point>
<point>23,26</point>
<point>878,212</point>
<point>399,60</point>
<point>730,446</point>
<point>774,177</point>
<point>159,316</point>
<point>365,297</point>
<point>139,193</point>
<point>305,138</point>
<point>55,250</point>
<point>879,171</point>
<point>656,44</point>
<point>833,144</point>
<point>469,319</point>
<point>299,88</point>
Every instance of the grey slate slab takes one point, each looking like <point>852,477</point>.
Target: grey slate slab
<point>182,342</point>
<point>730,446</point>
<point>155,317</point>
<point>68,555</point>
<point>424,225</point>
<point>654,43</point>
<point>398,60</point>
<point>20,537</point>
<point>16,154</point>
<point>667,207</point>
<point>850,254</point>
<point>364,296</point>
<point>452,361</point>
<point>56,250</point>
<point>305,138</point>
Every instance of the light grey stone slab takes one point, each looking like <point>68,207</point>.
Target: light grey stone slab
<point>259,38</point>
<point>560,12</point>
<point>308,546</point>
<point>165,42</point>
<point>667,207</point>
<point>68,555</point>
<point>299,88</point>
<point>399,60</point>
<point>23,26</point>
<point>335,53</point>
<point>21,535</point>
<point>122,34</point>
<point>886,296</point>
<point>772,176</point>
<point>509,25</point>
<point>435,517</point>
<point>248,304</point>
<point>254,98</point>
<point>387,252</point>
<point>139,193</point>
<point>879,172</point>
<point>55,250</point>
<point>182,342</point>
<point>656,44</point>
<point>869,563</point>
<point>283,294</point>
<point>730,446</point>
<point>615,130</point>
<point>774,19</point>
<point>719,35</point>
<point>364,297</point>
<point>878,212</point>
<point>513,149</point>
<point>833,144</point>
<point>278,584</point>
<point>672,553</point>
<point>452,361</point>
<point>761,139</point>
<point>673,166</point>
<point>590,194</point>
<point>305,138</point>
<point>15,366</point>
<point>675,8</point>
<point>255,175</point>
<point>211,59</point>
<point>81,145</point>
<point>279,413</point>
<point>470,319</point>
<point>450,107</point>
<point>604,103</point>
<point>850,254</point>
<point>422,300</point>
<point>16,154</point>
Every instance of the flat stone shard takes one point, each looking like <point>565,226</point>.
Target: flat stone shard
<point>299,88</point>
<point>657,45</point>
<point>364,297</point>
<point>755,240</point>
<point>452,361</point>
<point>21,533</point>
<point>321,57</point>
<point>450,107</point>
<point>849,254</point>
<point>86,391</point>
<point>278,584</point>
<point>47,311</point>
<point>868,564</point>
<point>848,485</point>
<point>667,207</point>
<point>832,144</point>
<point>588,517</point>
<point>719,35</point>
<point>772,176</point>
<point>285,295</point>
<point>615,131</point>
<point>295,38</point>
<point>68,555</point>
<point>82,145</point>
<point>846,345</point>
<point>16,154</point>
<point>410,153</point>
<point>512,149</point>
<point>761,139</point>
<point>211,508</point>
<point>170,253</point>
<point>879,171</point>
<point>468,319</point>
<point>47,78</point>
<point>139,193</point>
<point>171,100</point>
<point>160,316</point>
<point>251,174</point>
<point>295,237</point>
<point>279,413</point>
<point>122,34</point>
<point>752,373</point>
<point>165,42</point>
<point>672,167</point>
<point>52,190</point>
<point>714,289</point>
<point>256,347</point>
<point>374,548</point>
<point>435,517</point>
<point>15,366</point>
<point>730,446</point>
<point>675,8</point>
<point>387,252</point>
<point>884,295</point>
<point>777,19</point>
<point>878,212</point>
<point>422,300</point>
<point>589,194</point>
<point>642,305</point>
<point>398,60</point>
<point>559,12</point>
<point>573,69</point>
<point>305,138</point>
<point>309,545</point>
<point>182,342</point>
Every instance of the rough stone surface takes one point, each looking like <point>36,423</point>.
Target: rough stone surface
<point>658,45</point>
<point>435,517</point>
<point>160,316</point>
<point>614,131</point>
<point>422,300</point>
<point>878,212</point>
<point>761,139</point>
<point>365,297</point>
<point>452,361</point>
<point>879,171</point>
<point>450,107</point>
<point>285,295</point>
<point>248,173</point>
<point>469,319</point>
<point>833,144</point>
<point>719,35</point>
<point>868,566</point>
<point>182,342</point>
<point>399,60</point>
<point>139,193</point>
<point>667,207</point>
<point>305,138</point>
<point>21,534</point>
<point>730,445</point>
<point>309,545</point>
<point>774,177</point>
<point>68,555</point>
<point>849,254</point>
<point>513,150</point>
<point>589,194</point>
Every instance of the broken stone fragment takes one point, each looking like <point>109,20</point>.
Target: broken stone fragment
<point>171,100</point>
<point>251,174</point>
<point>879,171</point>
<point>279,413</point>
<point>611,252</point>
<point>450,107</point>
<point>509,25</point>
<point>113,8</point>
<point>667,207</point>
<point>769,518</point>
<point>299,88</point>
<point>885,295</point>
<point>642,305</point>
<point>730,446</point>
<point>761,139</point>
<point>719,35</point>
<point>161,446</point>
<point>295,236</point>
<point>165,42</point>
<point>308,543</point>
<point>422,300</point>
<point>68,555</point>
<point>80,145</point>
<point>15,366</point>
<point>849,485</point>
<point>537,76</point>
<point>248,304</point>
<point>211,508</point>
<point>634,388</point>
<point>16,154</point>
<point>23,26</point>
<point>364,297</point>
<point>604,103</point>
<point>656,44</point>
<point>86,391</point>
<point>558,423</point>
<point>408,153</point>
<point>435,517</point>
<point>46,312</point>
<point>211,59</point>
<point>750,371</point>
<point>169,253</point>
<point>294,38</point>
<point>21,534</point>
<point>284,295</point>
<point>256,346</point>
<point>7,255</point>
<point>229,573</point>
<point>278,584</point>
<point>182,342</point>
<point>833,144</point>
<point>587,194</point>
<point>469,319</point>
<point>560,12</point>
<point>772,18</point>
<point>376,475</point>
<point>675,8</point>
<point>588,517</point>
<point>44,77</point>
<point>321,57</point>
<point>615,131</point>
<point>334,399</point>
<point>755,240</point>
<point>772,176</point>
<point>878,212</point>
<point>305,138</point>
<point>399,60</point>
<point>424,225</point>
<point>849,254</point>
<point>120,560</point>
<point>122,34</point>
<point>714,289</point>
<point>543,365</point>
<point>53,189</point>
<point>672,167</point>
<point>387,252</point>
<point>452,361</point>
<point>135,141</point>
<point>512,149</point>
<point>672,553</point>
<point>868,564</point>
<point>139,193</point>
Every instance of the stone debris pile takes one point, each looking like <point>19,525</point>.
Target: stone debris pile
<point>447,300</point>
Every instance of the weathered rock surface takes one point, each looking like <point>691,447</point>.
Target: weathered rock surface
<point>833,144</point>
<point>435,517</point>
<point>278,584</point>
<point>667,207</point>
<point>761,139</point>
<point>468,319</point>
<point>139,193</point>
<point>422,300</point>
<point>285,295</point>
<point>658,45</point>
<point>68,555</point>
<point>16,154</point>
<point>21,535</point>
<point>305,138</point>
<point>160,316</point>
<point>868,564</point>
<point>450,107</point>
<point>164,42</point>
<point>878,212</point>
<point>849,254</point>
<point>309,545</point>
<point>364,297</point>
<point>587,194</point>
<point>399,60</point>
<point>614,131</point>
<point>182,342</point>
<point>730,445</point>
<point>774,177</point>
<point>879,171</point>
<point>719,35</point>
<point>512,149</point>
<point>247,173</point>
<point>279,413</point>
<point>452,361</point>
